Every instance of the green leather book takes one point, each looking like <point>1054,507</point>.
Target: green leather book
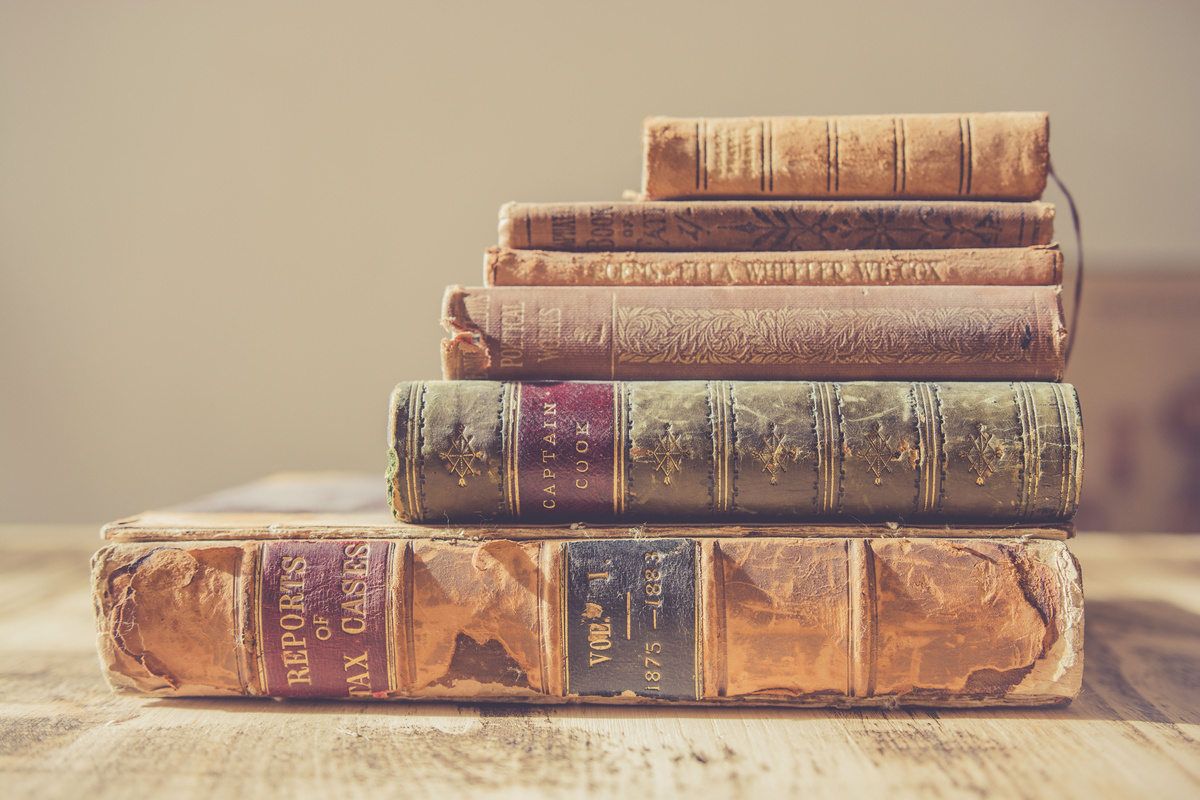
<point>734,451</point>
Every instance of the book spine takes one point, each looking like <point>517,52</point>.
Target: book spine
<point>710,451</point>
<point>999,156</point>
<point>754,333</point>
<point>972,266</point>
<point>851,622</point>
<point>743,226</point>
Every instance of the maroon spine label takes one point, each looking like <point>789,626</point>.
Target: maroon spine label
<point>565,453</point>
<point>323,618</point>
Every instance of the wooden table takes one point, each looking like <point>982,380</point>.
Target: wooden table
<point>1134,731</point>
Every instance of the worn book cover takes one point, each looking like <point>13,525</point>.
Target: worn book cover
<point>1041,265</point>
<point>303,597</point>
<point>734,451</point>
<point>987,156</point>
<point>791,225</point>
<point>754,333</point>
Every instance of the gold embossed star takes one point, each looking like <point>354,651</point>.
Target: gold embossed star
<point>878,456</point>
<point>774,456</point>
<point>461,458</point>
<point>668,456</point>
<point>983,454</point>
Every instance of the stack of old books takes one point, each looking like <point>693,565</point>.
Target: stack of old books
<point>798,438</point>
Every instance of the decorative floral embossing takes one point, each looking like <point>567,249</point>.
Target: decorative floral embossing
<point>461,458</point>
<point>984,453</point>
<point>864,226</point>
<point>950,335</point>
<point>774,456</point>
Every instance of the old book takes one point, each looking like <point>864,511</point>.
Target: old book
<point>995,266</point>
<point>992,156</point>
<point>754,333</point>
<point>794,225</point>
<point>680,618</point>
<point>332,505</point>
<point>742,451</point>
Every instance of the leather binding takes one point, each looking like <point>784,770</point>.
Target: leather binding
<point>1041,265</point>
<point>991,156</point>
<point>754,333</point>
<point>790,225</point>
<point>732,451</point>
<point>768,621</point>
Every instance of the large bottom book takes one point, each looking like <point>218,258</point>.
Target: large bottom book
<point>342,605</point>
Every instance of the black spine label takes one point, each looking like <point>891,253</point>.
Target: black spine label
<point>631,625</point>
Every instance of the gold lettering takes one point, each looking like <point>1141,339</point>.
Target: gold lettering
<point>290,640</point>
<point>581,483</point>
<point>549,489</point>
<point>596,658</point>
<point>549,334</point>
<point>291,602</point>
<point>295,676</point>
<point>550,438</point>
<point>581,446</point>
<point>290,622</point>
<point>354,661</point>
<point>581,428</point>
<point>547,473</point>
<point>293,657</point>
<point>548,504</point>
<point>353,626</point>
<point>294,564</point>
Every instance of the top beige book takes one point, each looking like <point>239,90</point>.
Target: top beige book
<point>992,156</point>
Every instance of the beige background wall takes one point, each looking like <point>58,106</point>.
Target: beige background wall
<point>225,226</point>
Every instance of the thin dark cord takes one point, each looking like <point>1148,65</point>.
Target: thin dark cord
<point>1074,326</point>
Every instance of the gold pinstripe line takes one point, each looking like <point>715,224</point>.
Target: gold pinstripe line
<point>1071,439</point>
<point>507,444</point>
<point>834,429</point>
<point>929,468</point>
<point>931,465</point>
<point>822,433</point>
<point>412,457</point>
<point>935,465</point>
<point>830,444</point>
<point>389,603</point>
<point>263,683</point>
<point>513,471</point>
<point>923,423</point>
<point>1036,455</point>
<point>1060,399</point>
<point>1073,425</point>
<point>1066,442</point>
<point>721,441</point>
<point>1027,446</point>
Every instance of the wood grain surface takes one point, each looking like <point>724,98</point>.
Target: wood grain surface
<point>1134,731</point>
